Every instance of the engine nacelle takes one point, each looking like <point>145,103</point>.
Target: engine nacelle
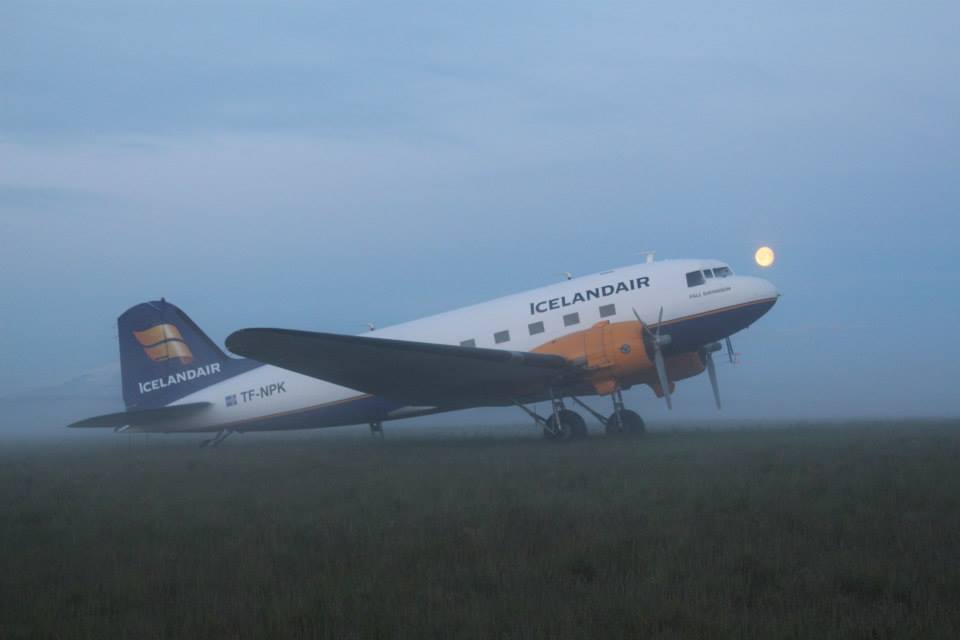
<point>615,356</point>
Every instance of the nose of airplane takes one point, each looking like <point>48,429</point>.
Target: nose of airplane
<point>757,289</point>
<point>767,289</point>
<point>752,298</point>
<point>760,291</point>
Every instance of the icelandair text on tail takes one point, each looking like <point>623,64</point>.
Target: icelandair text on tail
<point>177,378</point>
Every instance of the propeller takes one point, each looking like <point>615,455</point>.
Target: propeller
<point>658,343</point>
<point>707,354</point>
<point>730,354</point>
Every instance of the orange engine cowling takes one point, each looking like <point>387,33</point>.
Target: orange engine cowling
<point>614,357</point>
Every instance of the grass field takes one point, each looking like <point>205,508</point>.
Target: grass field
<point>806,531</point>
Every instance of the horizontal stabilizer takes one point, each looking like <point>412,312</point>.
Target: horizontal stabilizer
<point>142,417</point>
<point>418,373</point>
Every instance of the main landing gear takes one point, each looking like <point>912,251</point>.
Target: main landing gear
<point>564,424</point>
<point>623,420</point>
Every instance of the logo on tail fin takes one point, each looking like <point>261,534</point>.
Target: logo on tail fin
<point>164,342</point>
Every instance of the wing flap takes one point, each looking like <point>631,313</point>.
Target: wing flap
<point>141,418</point>
<point>419,373</point>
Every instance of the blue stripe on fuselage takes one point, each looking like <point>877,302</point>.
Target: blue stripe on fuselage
<point>691,333</point>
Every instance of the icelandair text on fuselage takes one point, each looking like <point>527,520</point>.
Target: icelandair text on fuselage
<point>177,378</point>
<point>582,296</point>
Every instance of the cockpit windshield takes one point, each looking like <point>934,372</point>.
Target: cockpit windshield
<point>696,278</point>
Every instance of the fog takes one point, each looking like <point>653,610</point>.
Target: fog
<point>323,167</point>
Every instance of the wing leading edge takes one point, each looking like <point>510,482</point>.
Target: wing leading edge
<point>419,373</point>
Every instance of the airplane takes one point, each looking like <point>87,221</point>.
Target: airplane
<point>654,323</point>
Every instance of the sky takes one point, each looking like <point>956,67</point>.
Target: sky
<point>322,165</point>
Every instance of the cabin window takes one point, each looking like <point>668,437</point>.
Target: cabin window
<point>722,272</point>
<point>608,310</point>
<point>469,343</point>
<point>695,278</point>
<point>501,336</point>
<point>535,328</point>
<point>571,319</point>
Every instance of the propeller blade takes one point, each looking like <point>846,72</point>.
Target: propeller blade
<point>646,329</point>
<point>662,375</point>
<point>658,344</point>
<point>643,326</point>
<point>712,371</point>
<point>730,350</point>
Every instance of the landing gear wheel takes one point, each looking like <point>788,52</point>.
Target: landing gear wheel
<point>571,426</point>
<point>629,423</point>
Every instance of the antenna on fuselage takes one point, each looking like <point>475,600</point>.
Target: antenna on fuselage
<point>648,255</point>
<point>567,275</point>
<point>371,326</point>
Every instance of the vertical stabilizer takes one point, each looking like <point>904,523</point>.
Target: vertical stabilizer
<point>164,356</point>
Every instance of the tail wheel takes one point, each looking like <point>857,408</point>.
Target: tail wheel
<point>571,426</point>
<point>626,422</point>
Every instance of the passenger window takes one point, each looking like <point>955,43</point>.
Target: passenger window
<point>723,272</point>
<point>608,310</point>
<point>695,278</point>
<point>571,319</point>
<point>501,336</point>
<point>469,343</point>
<point>535,328</point>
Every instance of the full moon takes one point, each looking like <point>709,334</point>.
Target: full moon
<point>764,256</point>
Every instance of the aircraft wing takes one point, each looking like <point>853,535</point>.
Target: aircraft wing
<point>418,373</point>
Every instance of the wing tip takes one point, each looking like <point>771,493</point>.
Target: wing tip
<point>240,341</point>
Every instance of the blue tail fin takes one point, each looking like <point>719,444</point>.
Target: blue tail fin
<point>164,356</point>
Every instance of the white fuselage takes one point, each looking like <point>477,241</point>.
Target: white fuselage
<point>264,395</point>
